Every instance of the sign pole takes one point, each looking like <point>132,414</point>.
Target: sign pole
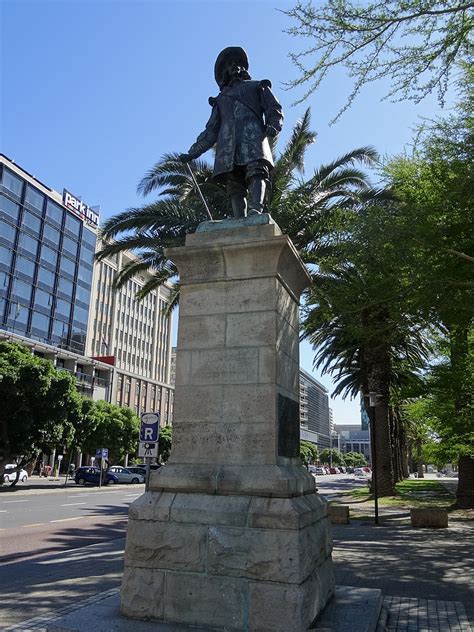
<point>100,474</point>
<point>148,469</point>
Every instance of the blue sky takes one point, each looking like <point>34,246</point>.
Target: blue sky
<point>95,92</point>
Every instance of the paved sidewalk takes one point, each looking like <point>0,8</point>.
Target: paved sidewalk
<point>423,615</point>
<point>422,564</point>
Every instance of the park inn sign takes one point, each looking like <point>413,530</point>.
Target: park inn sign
<point>78,207</point>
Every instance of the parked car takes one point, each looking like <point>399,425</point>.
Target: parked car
<point>333,470</point>
<point>90,476</point>
<point>10,476</point>
<point>360,471</point>
<point>125,476</point>
<point>320,471</point>
<point>137,469</point>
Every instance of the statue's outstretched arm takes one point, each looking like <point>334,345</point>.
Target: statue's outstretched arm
<point>206,139</point>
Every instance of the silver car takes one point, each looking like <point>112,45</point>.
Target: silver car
<point>125,476</point>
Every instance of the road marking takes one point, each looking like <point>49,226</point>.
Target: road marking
<point>3,511</point>
<point>38,524</point>
<point>66,519</point>
<point>4,502</point>
<point>71,504</point>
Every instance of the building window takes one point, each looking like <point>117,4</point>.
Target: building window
<point>63,308</point>
<point>22,290</point>
<point>43,299</point>
<point>29,244</point>
<point>9,208</point>
<point>73,225</point>
<point>54,213</point>
<point>34,198</point>
<point>18,314</point>
<point>70,246</point>
<point>25,266</point>
<point>46,278</point>
<point>7,232</point>
<point>51,234</point>
<point>67,266</point>
<point>40,322</point>
<point>65,286</point>
<point>12,182</point>
<point>31,222</point>
<point>48,255</point>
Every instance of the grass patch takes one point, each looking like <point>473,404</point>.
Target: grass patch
<point>408,493</point>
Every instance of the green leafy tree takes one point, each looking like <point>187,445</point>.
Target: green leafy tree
<point>165,443</point>
<point>331,455</point>
<point>308,452</point>
<point>419,423</point>
<point>38,402</point>
<point>434,227</point>
<point>355,459</point>
<point>415,45</point>
<point>116,428</point>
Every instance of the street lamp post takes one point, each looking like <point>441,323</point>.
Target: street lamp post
<point>372,405</point>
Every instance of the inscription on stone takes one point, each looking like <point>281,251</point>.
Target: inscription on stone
<point>288,427</point>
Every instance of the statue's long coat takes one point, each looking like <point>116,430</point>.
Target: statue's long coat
<point>237,125</point>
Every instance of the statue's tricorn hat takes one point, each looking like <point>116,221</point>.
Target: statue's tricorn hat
<point>231,52</point>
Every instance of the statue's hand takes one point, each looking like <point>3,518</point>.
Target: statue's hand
<point>271,131</point>
<point>186,157</point>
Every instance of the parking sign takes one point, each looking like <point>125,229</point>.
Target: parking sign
<point>150,427</point>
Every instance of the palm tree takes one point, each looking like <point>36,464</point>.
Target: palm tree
<point>358,320</point>
<point>299,206</point>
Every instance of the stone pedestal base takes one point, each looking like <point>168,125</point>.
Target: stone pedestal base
<point>243,563</point>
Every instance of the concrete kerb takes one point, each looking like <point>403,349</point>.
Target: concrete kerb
<point>56,487</point>
<point>359,606</point>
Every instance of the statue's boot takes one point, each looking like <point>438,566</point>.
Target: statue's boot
<point>239,205</point>
<point>257,187</point>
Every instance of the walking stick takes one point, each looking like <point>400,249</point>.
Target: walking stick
<point>198,190</point>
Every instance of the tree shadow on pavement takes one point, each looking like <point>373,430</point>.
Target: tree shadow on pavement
<point>76,562</point>
<point>423,563</point>
<point>81,533</point>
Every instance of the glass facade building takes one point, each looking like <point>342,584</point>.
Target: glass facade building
<point>46,263</point>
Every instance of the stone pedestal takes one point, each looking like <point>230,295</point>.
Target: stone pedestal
<point>231,534</point>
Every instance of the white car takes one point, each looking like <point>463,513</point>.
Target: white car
<point>10,476</point>
<point>125,476</point>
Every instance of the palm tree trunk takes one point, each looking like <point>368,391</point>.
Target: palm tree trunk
<point>377,362</point>
<point>384,465</point>
<point>465,491</point>
<point>404,453</point>
<point>419,459</point>
<point>459,357</point>
<point>397,446</point>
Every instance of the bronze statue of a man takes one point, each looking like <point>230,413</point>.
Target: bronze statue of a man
<point>244,116</point>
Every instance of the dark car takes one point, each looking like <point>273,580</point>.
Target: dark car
<point>90,476</point>
<point>141,469</point>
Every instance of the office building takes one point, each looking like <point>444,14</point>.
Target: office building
<point>314,411</point>
<point>47,245</point>
<point>134,337</point>
<point>56,299</point>
<point>351,438</point>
